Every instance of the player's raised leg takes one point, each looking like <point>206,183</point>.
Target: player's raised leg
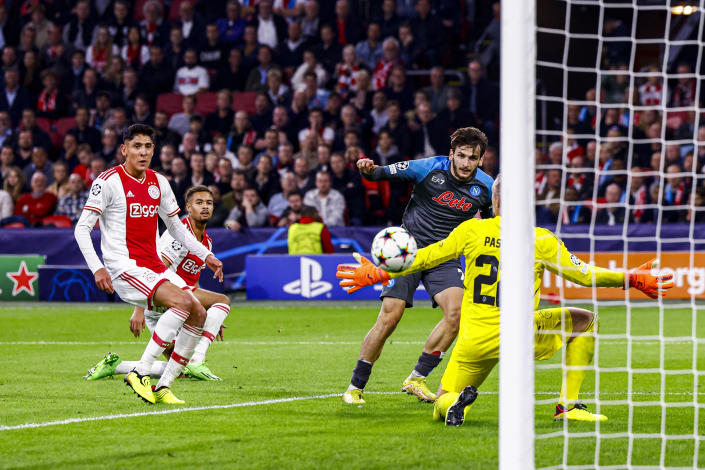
<point>438,342</point>
<point>218,310</point>
<point>389,315</point>
<point>580,327</point>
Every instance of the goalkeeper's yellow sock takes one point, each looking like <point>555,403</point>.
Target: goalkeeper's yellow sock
<point>579,352</point>
<point>443,402</point>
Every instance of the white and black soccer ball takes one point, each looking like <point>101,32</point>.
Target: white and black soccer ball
<point>393,249</point>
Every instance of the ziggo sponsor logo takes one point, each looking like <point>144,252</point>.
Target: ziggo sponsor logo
<point>143,210</point>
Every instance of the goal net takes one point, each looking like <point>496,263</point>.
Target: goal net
<point>619,176</point>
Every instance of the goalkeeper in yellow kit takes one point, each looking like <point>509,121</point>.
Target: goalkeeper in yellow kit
<point>477,349</point>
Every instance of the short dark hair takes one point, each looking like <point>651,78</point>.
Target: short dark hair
<point>471,136</point>
<point>295,192</point>
<point>309,211</point>
<point>138,129</point>
<point>196,189</point>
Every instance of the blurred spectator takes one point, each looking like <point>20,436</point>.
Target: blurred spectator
<point>261,119</point>
<point>490,162</point>
<point>174,50</point>
<point>251,213</point>
<point>245,162</point>
<point>651,92</point>
<point>482,99</point>
<point>179,122</point>
<point>189,145</point>
<point>316,131</point>
<point>266,181</point>
<point>98,166</point>
<point>369,51</point>
<point>135,52</point>
<point>220,120</point>
<point>305,180</point>
<point>83,132</point>
<point>7,160</point>
<point>454,115</point>
<point>683,94</point>
<point>232,27</point>
<point>154,29</point>
<point>99,116</point>
<point>290,53</point>
<point>119,23</point>
<point>6,135</point>
<point>581,177</point>
<point>199,175</point>
<point>192,24</point>
<point>378,113</point>
<point>109,144</point>
<point>612,214</point>
<point>271,28</point>
<point>638,198</point>
<point>386,152</point>
<point>238,183</point>
<point>13,98</point>
<point>191,79</point>
<point>241,132</point>
<point>398,129</point>
<point>614,86</point>
<point>83,168</point>
<point>55,53</point>
<point>73,79</point>
<point>430,138</point>
<point>128,92</point>
<point>220,213</point>
<point>163,134</point>
<point>100,53</point>
<point>14,183</point>
<point>349,184</point>
<point>156,76</point>
<point>87,93</point>
<point>232,75</point>
<point>676,194</point>
<point>180,180</point>
<point>428,32</point>
<point>308,235</point>
<point>348,26</point>
<point>40,164</point>
<point>69,149</point>
<point>310,67</point>
<point>278,93</point>
<point>38,203</point>
<point>278,203</point>
<point>213,53</point>
<point>271,146</point>
<point>51,103</point>
<point>310,22</point>
<point>347,71</point>
<point>389,20</point>
<point>167,153</point>
<point>286,158</point>
<point>572,211</point>
<point>390,59</point>
<point>437,91</point>
<point>71,205</point>
<point>220,148</point>
<point>79,32</point>
<point>24,147</point>
<point>9,30</point>
<point>329,202</point>
<point>292,213</point>
<point>328,51</point>
<point>323,154</point>
<point>697,213</point>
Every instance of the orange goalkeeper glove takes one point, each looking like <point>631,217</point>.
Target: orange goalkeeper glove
<point>357,277</point>
<point>653,286</point>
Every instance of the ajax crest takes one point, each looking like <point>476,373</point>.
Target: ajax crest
<point>154,192</point>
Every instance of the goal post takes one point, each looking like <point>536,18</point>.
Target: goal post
<point>516,363</point>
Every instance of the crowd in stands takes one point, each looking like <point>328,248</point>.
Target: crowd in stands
<point>270,103</point>
<point>635,155</point>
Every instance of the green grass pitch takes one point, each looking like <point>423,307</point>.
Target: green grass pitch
<point>278,351</point>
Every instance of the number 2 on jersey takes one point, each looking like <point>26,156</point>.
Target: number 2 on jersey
<point>488,280</point>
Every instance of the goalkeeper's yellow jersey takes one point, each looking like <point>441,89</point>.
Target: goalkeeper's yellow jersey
<point>479,241</point>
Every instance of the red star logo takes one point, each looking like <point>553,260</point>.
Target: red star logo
<point>23,280</point>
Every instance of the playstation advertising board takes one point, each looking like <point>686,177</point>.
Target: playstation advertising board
<point>275,277</point>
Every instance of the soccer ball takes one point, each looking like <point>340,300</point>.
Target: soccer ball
<point>393,249</point>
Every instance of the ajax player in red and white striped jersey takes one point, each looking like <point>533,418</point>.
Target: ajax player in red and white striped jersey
<point>128,199</point>
<point>199,205</point>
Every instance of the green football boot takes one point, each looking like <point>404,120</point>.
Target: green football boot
<point>105,368</point>
<point>200,372</point>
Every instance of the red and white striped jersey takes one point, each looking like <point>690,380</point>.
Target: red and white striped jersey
<point>187,265</point>
<point>129,210</point>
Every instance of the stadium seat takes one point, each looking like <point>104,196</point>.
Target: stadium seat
<point>244,101</point>
<point>14,221</point>
<point>58,221</point>
<point>377,195</point>
<point>63,125</point>
<point>207,103</point>
<point>174,10</point>
<point>169,102</point>
<point>44,124</point>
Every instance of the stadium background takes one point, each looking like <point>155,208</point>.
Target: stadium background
<point>75,74</point>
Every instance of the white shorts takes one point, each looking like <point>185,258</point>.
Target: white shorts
<point>136,286</point>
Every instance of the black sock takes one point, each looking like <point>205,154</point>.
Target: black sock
<point>427,362</point>
<point>361,374</point>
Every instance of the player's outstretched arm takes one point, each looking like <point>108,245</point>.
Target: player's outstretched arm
<point>355,278</point>
<point>650,284</point>
<point>82,233</point>
<point>411,170</point>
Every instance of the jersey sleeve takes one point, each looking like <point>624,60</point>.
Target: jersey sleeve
<point>450,248</point>
<point>99,196</point>
<point>552,253</point>
<point>408,170</point>
<point>167,205</point>
<point>171,250</point>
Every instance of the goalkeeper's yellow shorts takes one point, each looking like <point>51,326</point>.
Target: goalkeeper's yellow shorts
<point>477,352</point>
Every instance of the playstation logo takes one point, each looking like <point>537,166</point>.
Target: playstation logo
<point>309,284</point>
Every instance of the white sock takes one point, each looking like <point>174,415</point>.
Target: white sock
<point>415,375</point>
<point>164,333</point>
<point>125,367</point>
<point>183,350</point>
<point>352,387</point>
<point>216,317</point>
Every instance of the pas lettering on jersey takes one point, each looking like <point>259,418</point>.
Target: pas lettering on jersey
<point>187,265</point>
